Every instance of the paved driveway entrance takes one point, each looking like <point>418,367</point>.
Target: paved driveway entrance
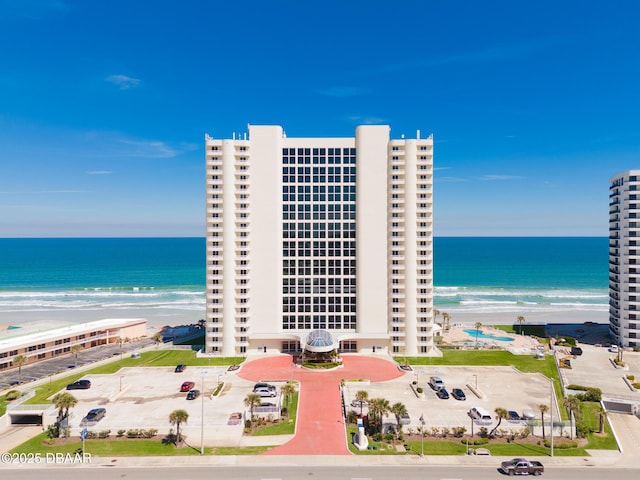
<point>320,429</point>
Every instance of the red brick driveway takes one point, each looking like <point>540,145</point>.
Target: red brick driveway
<point>320,429</point>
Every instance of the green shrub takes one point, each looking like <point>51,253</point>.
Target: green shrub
<point>476,441</point>
<point>591,395</point>
<point>419,390</point>
<point>12,395</point>
<point>104,433</point>
<point>636,385</point>
<point>91,435</point>
<point>576,387</point>
<point>561,445</point>
<point>631,377</point>
<point>121,432</point>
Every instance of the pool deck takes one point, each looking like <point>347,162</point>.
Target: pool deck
<point>520,342</point>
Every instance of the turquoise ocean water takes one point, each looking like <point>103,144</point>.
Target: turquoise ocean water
<point>486,274</point>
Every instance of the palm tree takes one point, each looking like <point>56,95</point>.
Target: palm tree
<point>288,390</point>
<point>157,338</point>
<point>362,396</point>
<point>500,414</point>
<point>177,418</point>
<point>520,321</point>
<point>75,350</point>
<point>19,361</point>
<point>398,409</point>
<point>446,318</point>
<point>379,407</point>
<point>64,402</point>
<point>436,312</point>
<point>478,326</point>
<point>572,404</point>
<point>543,408</point>
<point>252,401</point>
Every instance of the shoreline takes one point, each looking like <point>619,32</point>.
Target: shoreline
<point>159,317</point>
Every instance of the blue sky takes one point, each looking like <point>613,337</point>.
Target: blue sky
<point>104,104</point>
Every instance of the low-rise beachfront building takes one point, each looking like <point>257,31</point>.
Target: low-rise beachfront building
<point>624,258</point>
<point>44,340</point>
<point>319,238</point>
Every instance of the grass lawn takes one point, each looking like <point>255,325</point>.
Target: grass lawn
<point>287,427</point>
<point>590,412</point>
<point>155,358</point>
<point>531,330</point>
<point>458,447</point>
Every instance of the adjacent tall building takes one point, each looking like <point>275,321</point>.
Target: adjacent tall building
<point>624,258</point>
<point>319,242</point>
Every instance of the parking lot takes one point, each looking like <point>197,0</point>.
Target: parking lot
<point>143,398</point>
<point>502,387</point>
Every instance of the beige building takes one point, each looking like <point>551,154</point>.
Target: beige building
<point>330,235</point>
<point>37,342</point>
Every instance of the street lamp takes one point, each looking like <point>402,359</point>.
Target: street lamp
<point>475,375</point>
<point>551,412</point>
<point>422,436</point>
<point>203,373</point>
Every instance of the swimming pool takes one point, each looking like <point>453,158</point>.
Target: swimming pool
<point>472,333</point>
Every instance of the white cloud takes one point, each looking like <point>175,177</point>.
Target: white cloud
<point>123,81</point>
<point>99,172</point>
<point>148,149</point>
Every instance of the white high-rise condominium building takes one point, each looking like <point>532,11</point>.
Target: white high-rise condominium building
<point>624,258</point>
<point>319,243</point>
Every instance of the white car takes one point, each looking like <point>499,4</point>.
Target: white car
<point>613,349</point>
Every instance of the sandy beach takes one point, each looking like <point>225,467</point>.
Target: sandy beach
<point>156,318</point>
<point>159,317</point>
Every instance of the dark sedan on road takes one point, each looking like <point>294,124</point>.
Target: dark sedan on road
<point>180,368</point>
<point>79,385</point>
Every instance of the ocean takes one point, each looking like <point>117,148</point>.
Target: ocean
<point>471,275</point>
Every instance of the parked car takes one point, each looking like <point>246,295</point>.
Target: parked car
<point>527,415</point>
<point>442,393</point>
<point>576,351</point>
<point>404,419</point>
<point>436,383</point>
<point>458,394</point>
<point>259,386</point>
<point>95,415</point>
<point>186,386</point>
<point>235,418</point>
<point>193,394</point>
<point>513,416</point>
<point>79,385</point>
<point>180,368</point>
<point>266,392</point>
<point>613,349</point>
<point>359,403</point>
<point>522,466</point>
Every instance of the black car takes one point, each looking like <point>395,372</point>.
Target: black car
<point>442,393</point>
<point>576,351</point>
<point>79,385</point>
<point>458,394</point>
<point>193,394</point>
<point>95,415</point>
<point>180,367</point>
<point>513,416</point>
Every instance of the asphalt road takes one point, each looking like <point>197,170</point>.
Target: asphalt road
<point>373,472</point>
